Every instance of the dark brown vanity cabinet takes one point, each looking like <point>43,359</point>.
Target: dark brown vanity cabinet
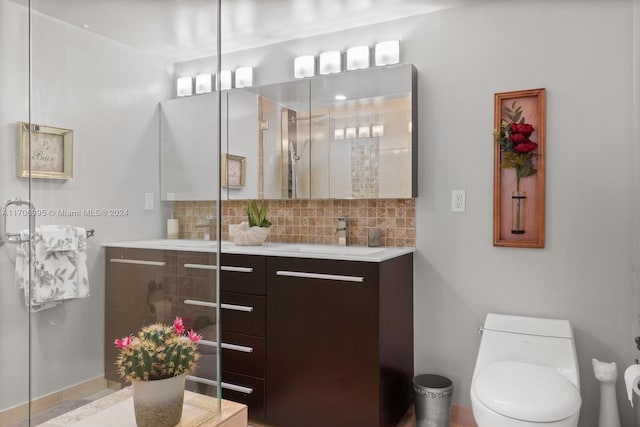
<point>339,342</point>
<point>140,290</point>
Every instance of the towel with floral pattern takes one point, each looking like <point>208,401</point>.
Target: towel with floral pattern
<point>59,265</point>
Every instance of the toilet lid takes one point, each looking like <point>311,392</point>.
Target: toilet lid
<point>526,392</point>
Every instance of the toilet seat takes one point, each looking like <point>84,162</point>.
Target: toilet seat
<point>526,392</point>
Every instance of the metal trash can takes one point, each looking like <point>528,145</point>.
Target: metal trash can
<point>432,394</point>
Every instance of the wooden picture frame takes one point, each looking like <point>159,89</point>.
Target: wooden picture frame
<point>519,219</point>
<point>234,171</point>
<point>44,152</point>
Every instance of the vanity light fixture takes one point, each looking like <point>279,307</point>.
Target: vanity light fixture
<point>364,132</point>
<point>244,77</point>
<point>330,62</point>
<point>377,131</point>
<point>203,83</point>
<point>410,126</point>
<point>388,52</point>
<point>225,80</point>
<point>338,134</point>
<point>304,66</point>
<point>350,133</point>
<point>358,58</point>
<point>184,86</point>
<point>340,97</point>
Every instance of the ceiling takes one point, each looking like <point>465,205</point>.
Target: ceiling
<point>186,29</point>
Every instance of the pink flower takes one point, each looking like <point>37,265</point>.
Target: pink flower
<point>194,336</point>
<point>124,342</point>
<point>178,325</point>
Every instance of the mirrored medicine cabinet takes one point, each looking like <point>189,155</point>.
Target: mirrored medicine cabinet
<point>351,135</point>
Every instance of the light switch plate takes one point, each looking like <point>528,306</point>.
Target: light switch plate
<point>148,201</point>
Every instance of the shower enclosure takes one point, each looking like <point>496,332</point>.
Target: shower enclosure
<point>79,146</point>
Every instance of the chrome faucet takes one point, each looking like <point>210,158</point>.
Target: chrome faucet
<point>342,231</point>
<point>211,225</point>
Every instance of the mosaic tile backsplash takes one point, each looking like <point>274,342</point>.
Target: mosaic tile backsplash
<point>310,221</point>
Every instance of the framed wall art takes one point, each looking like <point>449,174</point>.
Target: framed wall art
<point>50,154</point>
<point>519,168</point>
<point>234,171</point>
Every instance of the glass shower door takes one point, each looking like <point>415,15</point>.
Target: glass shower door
<point>81,166</point>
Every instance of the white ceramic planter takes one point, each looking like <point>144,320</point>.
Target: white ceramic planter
<point>243,235</point>
<point>158,403</point>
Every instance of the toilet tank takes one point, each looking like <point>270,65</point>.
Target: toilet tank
<point>546,342</point>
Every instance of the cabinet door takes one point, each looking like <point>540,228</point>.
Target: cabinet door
<point>322,343</point>
<point>140,290</point>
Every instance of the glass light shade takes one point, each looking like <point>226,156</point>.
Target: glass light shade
<point>225,80</point>
<point>388,52</point>
<point>304,66</point>
<point>338,134</point>
<point>350,133</point>
<point>377,131</point>
<point>364,132</point>
<point>203,83</point>
<point>358,58</point>
<point>244,77</point>
<point>330,62</point>
<point>185,86</point>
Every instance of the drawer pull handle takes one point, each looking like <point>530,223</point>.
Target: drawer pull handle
<point>237,269</point>
<point>224,268</point>
<point>201,266</point>
<point>234,307</point>
<point>138,262</point>
<point>235,347</point>
<point>336,277</point>
<point>227,386</point>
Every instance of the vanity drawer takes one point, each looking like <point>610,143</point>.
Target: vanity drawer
<point>243,274</point>
<point>248,315</point>
<point>254,400</point>
<point>240,360</point>
<point>197,264</point>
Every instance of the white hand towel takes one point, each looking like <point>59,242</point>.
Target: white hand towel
<point>55,275</point>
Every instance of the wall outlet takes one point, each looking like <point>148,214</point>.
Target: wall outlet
<point>148,201</point>
<point>458,200</point>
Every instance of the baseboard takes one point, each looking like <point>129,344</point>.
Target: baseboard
<point>463,416</point>
<point>76,391</point>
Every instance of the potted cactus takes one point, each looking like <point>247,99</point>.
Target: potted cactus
<point>254,232</point>
<point>156,361</point>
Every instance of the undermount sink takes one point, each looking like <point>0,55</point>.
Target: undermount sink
<point>327,249</point>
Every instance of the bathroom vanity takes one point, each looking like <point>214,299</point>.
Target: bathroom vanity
<point>312,335</point>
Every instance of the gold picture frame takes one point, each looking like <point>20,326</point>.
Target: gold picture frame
<point>533,105</point>
<point>51,153</point>
<point>234,171</point>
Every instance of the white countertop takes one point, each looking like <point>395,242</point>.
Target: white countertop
<point>346,253</point>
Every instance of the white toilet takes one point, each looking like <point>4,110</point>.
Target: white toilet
<point>526,374</point>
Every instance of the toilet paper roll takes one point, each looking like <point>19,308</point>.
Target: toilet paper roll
<point>631,380</point>
<point>172,229</point>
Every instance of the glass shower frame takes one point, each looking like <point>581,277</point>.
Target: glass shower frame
<point>62,356</point>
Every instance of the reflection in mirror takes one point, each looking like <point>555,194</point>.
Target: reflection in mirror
<point>188,148</point>
<point>364,147</point>
<point>283,139</point>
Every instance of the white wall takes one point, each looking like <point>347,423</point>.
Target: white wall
<point>581,52</point>
<point>108,94</point>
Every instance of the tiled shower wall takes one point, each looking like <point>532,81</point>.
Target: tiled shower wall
<point>311,221</point>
